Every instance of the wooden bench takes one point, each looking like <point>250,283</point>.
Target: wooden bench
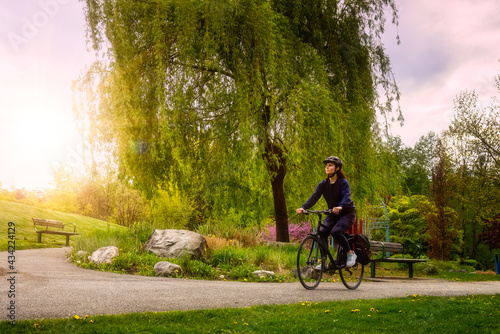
<point>52,224</point>
<point>391,247</point>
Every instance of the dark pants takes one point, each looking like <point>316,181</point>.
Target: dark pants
<point>337,225</point>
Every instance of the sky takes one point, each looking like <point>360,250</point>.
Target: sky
<point>447,47</point>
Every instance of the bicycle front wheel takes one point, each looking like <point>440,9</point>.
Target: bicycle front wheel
<point>351,277</point>
<point>310,265</point>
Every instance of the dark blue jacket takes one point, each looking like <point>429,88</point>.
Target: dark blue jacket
<point>337,194</point>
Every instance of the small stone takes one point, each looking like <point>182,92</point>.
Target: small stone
<point>167,269</point>
<point>263,273</point>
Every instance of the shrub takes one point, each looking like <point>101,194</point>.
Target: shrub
<point>297,231</point>
<point>431,270</point>
<point>169,209</point>
<point>469,262</point>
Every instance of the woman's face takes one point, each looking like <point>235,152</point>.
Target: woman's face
<point>330,168</point>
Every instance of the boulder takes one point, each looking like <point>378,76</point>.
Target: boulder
<point>175,243</point>
<point>165,268</point>
<point>104,255</point>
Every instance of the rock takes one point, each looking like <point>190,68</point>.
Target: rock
<point>81,254</point>
<point>174,243</point>
<point>104,255</point>
<point>263,273</point>
<point>167,269</point>
<point>307,272</point>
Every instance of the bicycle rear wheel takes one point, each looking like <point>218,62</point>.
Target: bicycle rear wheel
<point>351,277</point>
<point>309,257</point>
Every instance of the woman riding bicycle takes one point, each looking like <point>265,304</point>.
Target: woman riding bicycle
<point>337,193</point>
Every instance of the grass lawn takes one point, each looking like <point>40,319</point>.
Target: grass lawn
<point>25,235</point>
<point>413,314</point>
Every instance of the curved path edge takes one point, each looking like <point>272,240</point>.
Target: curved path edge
<point>48,286</point>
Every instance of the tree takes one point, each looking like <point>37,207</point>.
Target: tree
<point>232,94</point>
<point>473,146</point>
<point>478,126</point>
<point>407,222</point>
<point>491,236</point>
<point>442,224</point>
<point>416,162</point>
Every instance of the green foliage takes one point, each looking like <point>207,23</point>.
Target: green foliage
<point>169,209</point>
<point>415,163</point>
<point>93,240</point>
<point>225,99</point>
<point>407,222</point>
<point>130,206</point>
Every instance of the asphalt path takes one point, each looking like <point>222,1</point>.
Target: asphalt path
<point>46,285</point>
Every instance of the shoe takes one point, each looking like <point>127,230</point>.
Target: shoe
<point>351,260</point>
<point>318,267</point>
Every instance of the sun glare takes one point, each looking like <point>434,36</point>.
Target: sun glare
<point>38,134</point>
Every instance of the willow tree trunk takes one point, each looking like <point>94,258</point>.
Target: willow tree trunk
<point>276,162</point>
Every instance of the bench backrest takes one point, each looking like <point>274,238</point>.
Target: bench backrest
<point>48,223</point>
<point>386,247</point>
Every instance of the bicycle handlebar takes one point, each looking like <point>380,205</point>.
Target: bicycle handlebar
<point>306,212</point>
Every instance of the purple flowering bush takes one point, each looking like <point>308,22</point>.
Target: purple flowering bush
<point>297,231</point>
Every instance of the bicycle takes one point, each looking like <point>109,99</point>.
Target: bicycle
<point>314,259</point>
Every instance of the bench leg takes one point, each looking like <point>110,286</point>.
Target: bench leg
<point>372,275</point>
<point>39,237</point>
<point>67,240</point>
<point>410,269</point>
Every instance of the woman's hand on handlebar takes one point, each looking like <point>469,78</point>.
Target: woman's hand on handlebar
<point>336,210</point>
<point>299,211</point>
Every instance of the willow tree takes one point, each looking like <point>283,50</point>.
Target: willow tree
<point>241,90</point>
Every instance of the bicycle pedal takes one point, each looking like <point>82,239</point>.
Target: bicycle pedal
<point>331,267</point>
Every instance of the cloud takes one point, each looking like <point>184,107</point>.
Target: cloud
<point>447,46</point>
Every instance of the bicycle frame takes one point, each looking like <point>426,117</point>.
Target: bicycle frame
<point>322,242</point>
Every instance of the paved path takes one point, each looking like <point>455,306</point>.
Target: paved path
<point>47,286</point>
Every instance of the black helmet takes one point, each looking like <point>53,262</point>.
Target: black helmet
<point>335,160</point>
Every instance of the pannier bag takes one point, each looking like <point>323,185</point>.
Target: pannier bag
<point>362,248</point>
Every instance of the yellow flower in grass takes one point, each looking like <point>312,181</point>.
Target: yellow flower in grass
<point>76,317</point>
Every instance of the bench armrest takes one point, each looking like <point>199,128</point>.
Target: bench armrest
<point>412,249</point>
<point>74,227</point>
